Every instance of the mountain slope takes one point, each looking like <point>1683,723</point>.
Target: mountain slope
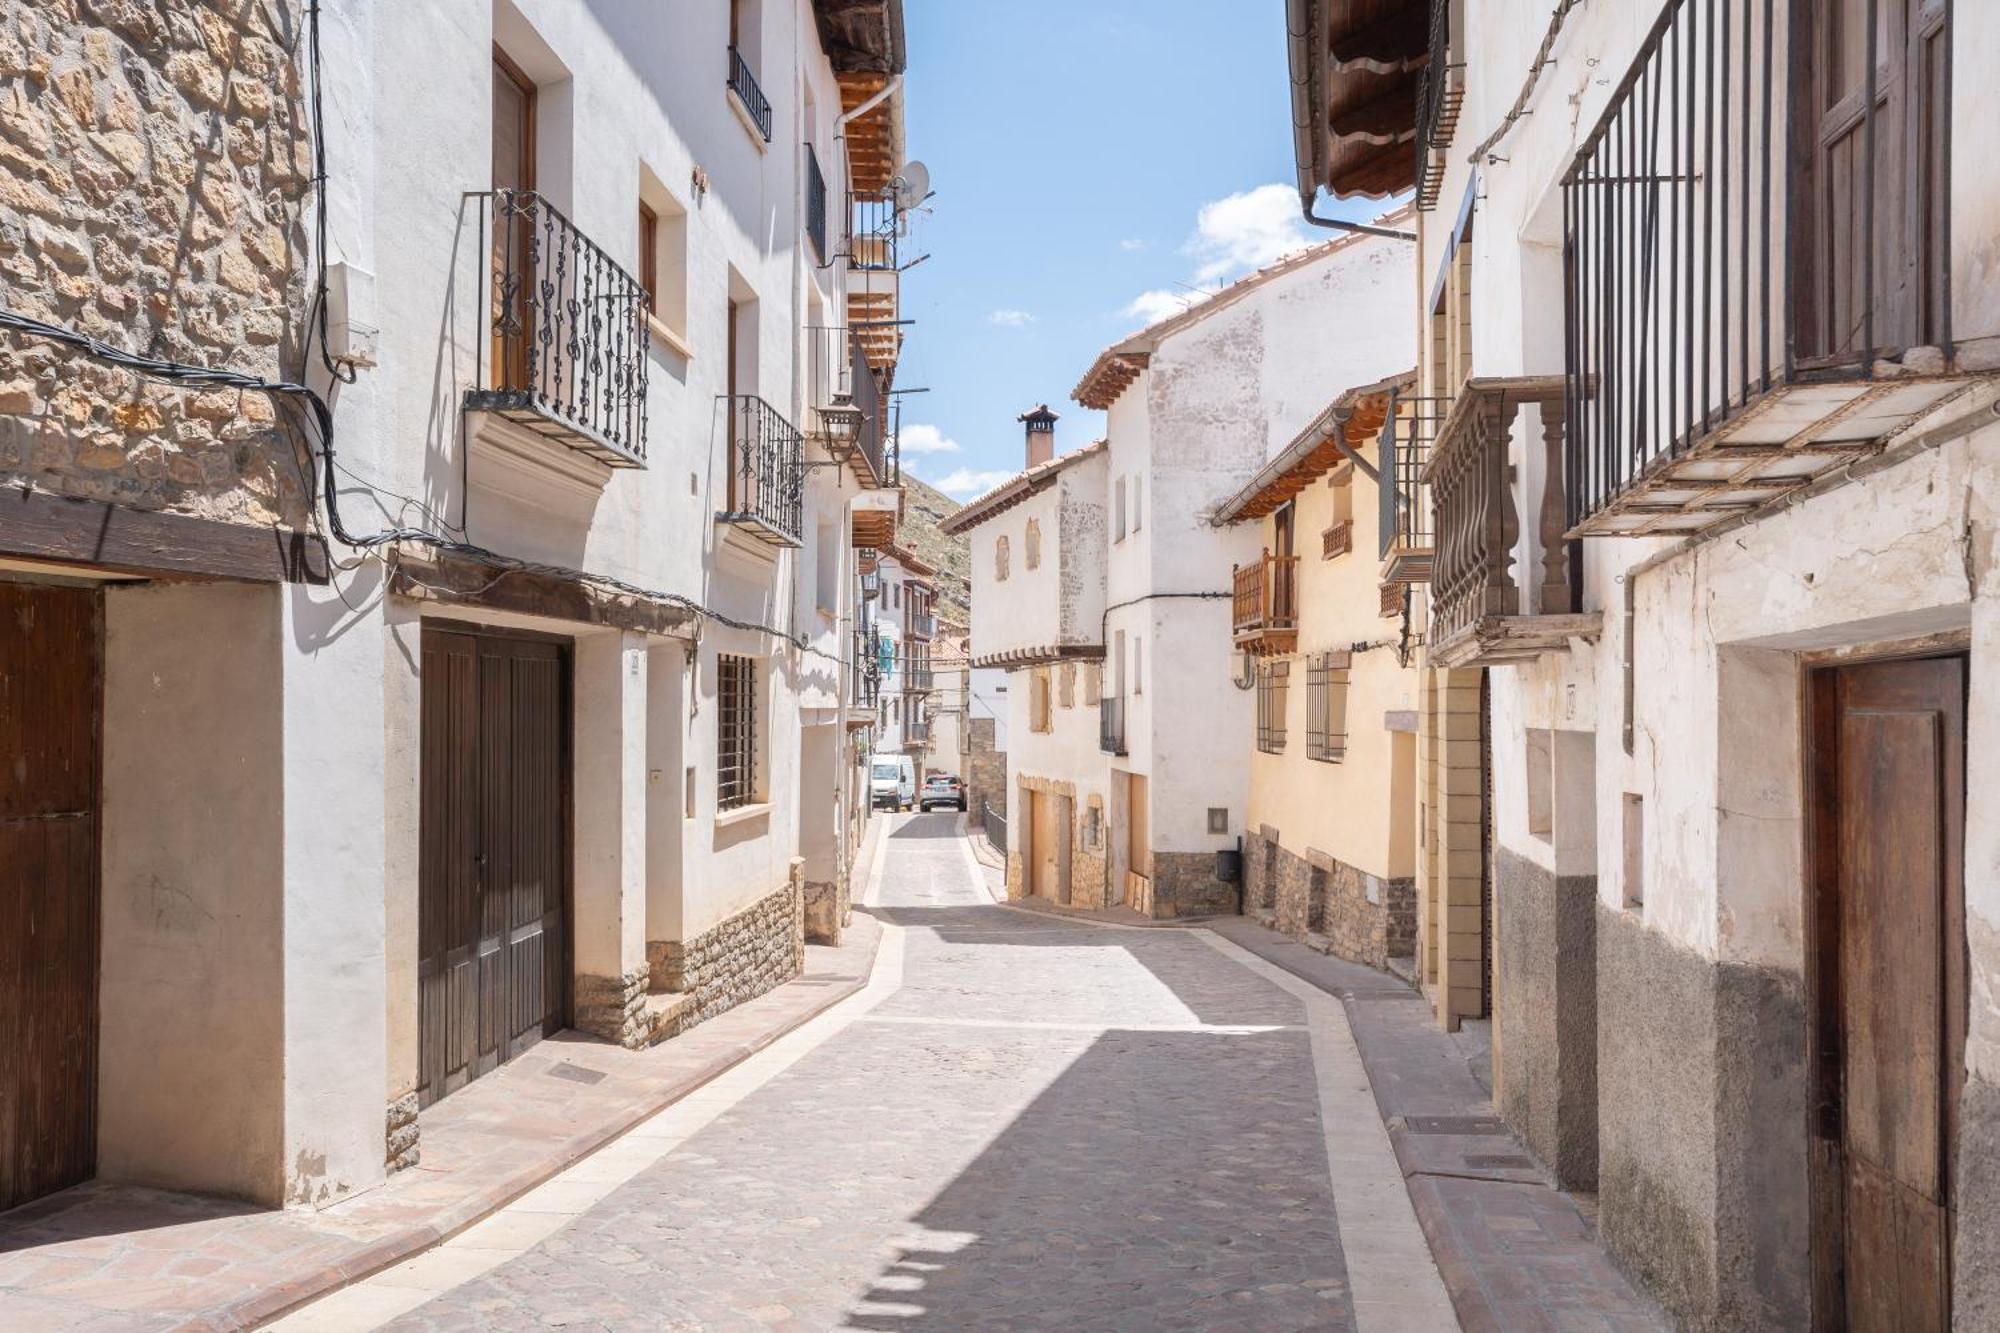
<point>923,509</point>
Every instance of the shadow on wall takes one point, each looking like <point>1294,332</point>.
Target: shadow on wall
<point>1142,1189</point>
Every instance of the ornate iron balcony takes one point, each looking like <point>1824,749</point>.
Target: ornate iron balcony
<point>744,84</point>
<point>567,358</point>
<point>766,472</point>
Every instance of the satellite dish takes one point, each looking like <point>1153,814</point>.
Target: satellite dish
<point>912,185</point>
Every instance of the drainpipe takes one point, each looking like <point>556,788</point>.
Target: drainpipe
<point>887,91</point>
<point>1341,416</point>
<point>1341,224</point>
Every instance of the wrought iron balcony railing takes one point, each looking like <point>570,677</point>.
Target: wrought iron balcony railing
<point>744,84</point>
<point>567,356</point>
<point>874,228</point>
<point>920,625</point>
<point>1407,542</point>
<point>1111,724</point>
<point>1476,604</point>
<point>815,205</point>
<point>1440,91</point>
<point>1759,214</point>
<point>1265,613</point>
<point>866,669</point>
<point>766,472</point>
<point>842,385</point>
<point>916,671</point>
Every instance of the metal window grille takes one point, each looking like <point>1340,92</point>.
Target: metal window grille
<point>815,203</point>
<point>1273,683</point>
<point>1326,707</point>
<point>735,731</point>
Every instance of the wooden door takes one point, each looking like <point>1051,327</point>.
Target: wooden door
<point>494,879</point>
<point>1138,826</point>
<point>1042,841</point>
<point>1875,193</point>
<point>50,672</point>
<point>1887,988</point>
<point>513,221</point>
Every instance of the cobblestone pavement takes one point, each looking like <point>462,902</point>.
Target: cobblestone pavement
<point>1048,1125</point>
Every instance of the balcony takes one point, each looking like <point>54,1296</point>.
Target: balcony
<point>766,472</point>
<point>1757,279</point>
<point>1440,93</point>
<point>918,733</point>
<point>743,86</point>
<point>916,671</point>
<point>875,274</point>
<point>920,625</point>
<point>849,416</point>
<point>1111,724</point>
<point>865,674</point>
<point>567,357</point>
<point>1476,604</point>
<point>1265,616</point>
<point>1404,521</point>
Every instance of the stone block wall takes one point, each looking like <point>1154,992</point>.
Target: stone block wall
<point>614,1008</point>
<point>1184,884</point>
<point>759,948</point>
<point>154,172</point>
<point>1335,907</point>
<point>401,1148</point>
<point>985,769</point>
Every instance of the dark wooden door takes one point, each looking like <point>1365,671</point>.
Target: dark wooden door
<point>1876,183</point>
<point>1888,989</point>
<point>513,220</point>
<point>49,895</point>
<point>494,879</point>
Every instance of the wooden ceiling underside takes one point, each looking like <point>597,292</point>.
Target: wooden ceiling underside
<point>1370,412</point>
<point>1109,379</point>
<point>1367,80</point>
<point>874,141</point>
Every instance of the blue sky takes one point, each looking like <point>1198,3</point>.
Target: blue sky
<point>1091,160</point>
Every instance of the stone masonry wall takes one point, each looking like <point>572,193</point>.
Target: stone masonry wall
<point>1330,905</point>
<point>154,166</point>
<point>759,948</point>
<point>1184,884</point>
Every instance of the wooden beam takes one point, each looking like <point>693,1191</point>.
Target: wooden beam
<point>459,580</point>
<point>40,526</point>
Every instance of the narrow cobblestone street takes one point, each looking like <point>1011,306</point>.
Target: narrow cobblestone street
<point>1023,1123</point>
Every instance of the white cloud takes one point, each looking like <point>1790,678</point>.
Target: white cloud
<point>1154,306</point>
<point>1246,230</point>
<point>966,483</point>
<point>1131,245</point>
<point>1010,319</point>
<point>925,440</point>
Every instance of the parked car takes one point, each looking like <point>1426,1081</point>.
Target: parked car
<point>892,782</point>
<point>942,789</point>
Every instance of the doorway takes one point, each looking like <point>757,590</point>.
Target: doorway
<point>513,220</point>
<point>494,883</point>
<point>51,674</point>
<point>1886,988</point>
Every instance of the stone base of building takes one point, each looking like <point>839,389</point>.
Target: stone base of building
<point>1184,884</point>
<point>1975,1260</point>
<point>402,1148</point>
<point>1339,908</point>
<point>761,947</point>
<point>827,910</point>
<point>614,1008</point>
<point>1546,1002</point>
<point>1702,1094</point>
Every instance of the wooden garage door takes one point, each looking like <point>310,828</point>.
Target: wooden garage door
<point>494,885</point>
<point>49,718</point>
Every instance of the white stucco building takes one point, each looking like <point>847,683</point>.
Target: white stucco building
<point>1709,462</point>
<point>553,690</point>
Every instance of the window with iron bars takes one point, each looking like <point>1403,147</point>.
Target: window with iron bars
<point>735,731</point>
<point>1326,707</point>
<point>1273,684</point>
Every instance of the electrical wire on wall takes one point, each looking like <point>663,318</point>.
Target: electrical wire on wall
<point>313,416</point>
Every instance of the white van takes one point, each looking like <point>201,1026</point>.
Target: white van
<point>892,782</point>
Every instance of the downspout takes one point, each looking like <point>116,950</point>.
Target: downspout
<point>881,95</point>
<point>1341,224</point>
<point>1341,416</point>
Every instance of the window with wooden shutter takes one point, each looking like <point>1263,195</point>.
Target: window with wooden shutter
<point>1273,683</point>
<point>1038,701</point>
<point>735,731</point>
<point>1326,707</point>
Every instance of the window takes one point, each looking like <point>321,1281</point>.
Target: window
<point>1635,852</point>
<point>1326,707</point>
<point>1218,819</point>
<point>1093,684</point>
<point>1273,680</point>
<point>735,731</point>
<point>1118,512</point>
<point>1138,503</point>
<point>1540,753</point>
<point>1338,537</point>
<point>826,567</point>
<point>1138,665</point>
<point>1000,560</point>
<point>1038,701</point>
<point>1033,554</point>
<point>1068,694</point>
<point>663,261</point>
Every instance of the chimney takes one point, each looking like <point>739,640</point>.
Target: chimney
<point>1041,434</point>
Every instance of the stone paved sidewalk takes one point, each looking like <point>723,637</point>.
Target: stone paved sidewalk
<point>1517,1255</point>
<point>106,1257</point>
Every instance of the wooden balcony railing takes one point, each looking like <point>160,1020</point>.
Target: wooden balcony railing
<point>1265,614</point>
<point>1476,603</point>
<point>567,357</point>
